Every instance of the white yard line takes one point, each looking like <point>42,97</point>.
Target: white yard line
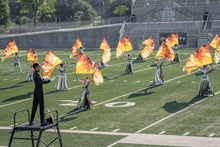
<point>169,116</point>
<point>162,132</point>
<point>185,134</point>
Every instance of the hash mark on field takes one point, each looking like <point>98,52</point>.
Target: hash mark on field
<point>94,129</point>
<point>212,134</point>
<point>193,81</point>
<point>112,81</point>
<point>162,132</point>
<point>185,134</point>
<point>178,81</point>
<point>5,79</point>
<point>16,79</point>
<point>125,81</point>
<point>73,128</point>
<point>116,130</point>
<point>138,81</point>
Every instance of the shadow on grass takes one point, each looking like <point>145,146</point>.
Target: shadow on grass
<point>19,97</point>
<point>199,73</point>
<point>133,95</point>
<point>14,86</point>
<point>106,78</point>
<point>139,61</point>
<point>72,112</point>
<point>173,107</point>
<point>62,119</point>
<point>140,93</point>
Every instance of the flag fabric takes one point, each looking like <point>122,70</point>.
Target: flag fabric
<point>106,55</point>
<point>165,51</point>
<point>148,49</point>
<point>97,77</point>
<point>217,55</point>
<point>127,44</point>
<point>215,43</point>
<point>119,49</point>
<point>83,64</point>
<point>199,58</point>
<point>173,40</point>
<point>10,50</point>
<point>76,46</point>
<point>104,45</point>
<point>32,56</point>
<point>123,45</point>
<point>49,63</point>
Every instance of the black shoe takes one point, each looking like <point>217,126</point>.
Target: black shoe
<point>31,123</point>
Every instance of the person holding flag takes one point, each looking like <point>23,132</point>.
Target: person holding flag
<point>61,83</point>
<point>158,78</point>
<point>205,86</point>
<point>85,95</point>
<point>17,62</point>
<point>129,67</point>
<point>84,65</point>
<point>177,54</point>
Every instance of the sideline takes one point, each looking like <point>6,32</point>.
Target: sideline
<point>148,139</point>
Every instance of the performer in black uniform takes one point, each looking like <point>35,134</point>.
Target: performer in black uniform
<point>38,94</point>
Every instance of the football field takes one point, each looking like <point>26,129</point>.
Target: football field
<point>127,110</point>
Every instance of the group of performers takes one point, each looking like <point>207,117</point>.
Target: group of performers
<point>85,98</point>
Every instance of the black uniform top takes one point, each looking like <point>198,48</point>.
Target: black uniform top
<point>39,81</point>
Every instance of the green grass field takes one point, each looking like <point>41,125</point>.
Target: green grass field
<point>164,103</point>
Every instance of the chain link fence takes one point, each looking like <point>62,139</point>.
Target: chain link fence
<point>28,28</point>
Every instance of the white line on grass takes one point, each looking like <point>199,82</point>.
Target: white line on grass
<point>185,134</point>
<point>116,130</point>
<point>169,116</point>
<point>212,134</point>
<point>94,129</point>
<point>162,132</point>
<point>73,128</point>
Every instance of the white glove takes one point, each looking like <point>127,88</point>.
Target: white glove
<point>52,79</point>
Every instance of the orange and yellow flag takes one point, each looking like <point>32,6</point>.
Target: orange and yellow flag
<point>165,51</point>
<point>49,63</point>
<point>97,77</point>
<point>217,55</point>
<point>215,43</point>
<point>119,49</point>
<point>10,50</point>
<point>76,46</point>
<point>173,40</point>
<point>104,45</point>
<point>127,44</point>
<point>83,64</point>
<point>199,58</point>
<point>32,56</point>
<point>123,46</point>
<point>106,55</point>
<point>148,49</point>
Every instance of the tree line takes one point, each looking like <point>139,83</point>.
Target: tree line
<point>34,11</point>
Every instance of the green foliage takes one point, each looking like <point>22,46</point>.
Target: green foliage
<point>36,8</point>
<point>4,12</point>
<point>120,10</point>
<point>78,15</point>
<point>74,10</point>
